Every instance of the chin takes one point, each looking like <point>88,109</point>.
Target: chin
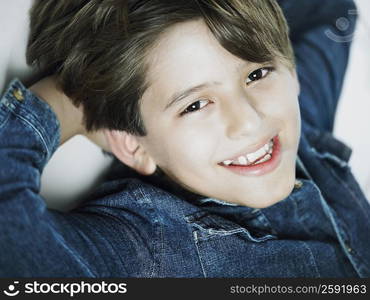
<point>275,196</point>
<point>262,203</point>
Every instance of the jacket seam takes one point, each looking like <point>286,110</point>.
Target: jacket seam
<point>157,236</point>
<point>339,235</point>
<point>35,130</point>
<point>196,240</point>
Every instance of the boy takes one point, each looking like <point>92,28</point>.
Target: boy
<point>203,96</point>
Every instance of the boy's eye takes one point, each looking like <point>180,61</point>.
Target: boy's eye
<point>258,74</point>
<point>195,106</point>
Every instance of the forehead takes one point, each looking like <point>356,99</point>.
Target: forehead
<point>188,53</point>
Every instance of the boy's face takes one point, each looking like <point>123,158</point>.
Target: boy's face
<point>235,109</point>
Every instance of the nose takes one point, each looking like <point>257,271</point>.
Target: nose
<point>241,118</point>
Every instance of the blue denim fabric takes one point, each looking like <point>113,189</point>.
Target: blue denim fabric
<point>147,227</point>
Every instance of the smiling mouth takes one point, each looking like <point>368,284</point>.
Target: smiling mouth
<point>262,155</point>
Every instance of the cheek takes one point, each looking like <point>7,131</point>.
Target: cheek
<point>183,147</point>
<point>280,100</point>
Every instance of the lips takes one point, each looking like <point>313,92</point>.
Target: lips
<point>263,153</point>
<point>261,166</point>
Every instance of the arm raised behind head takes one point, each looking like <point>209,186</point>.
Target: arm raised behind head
<point>70,117</point>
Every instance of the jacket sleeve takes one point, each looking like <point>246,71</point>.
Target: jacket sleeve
<point>321,32</point>
<point>35,240</point>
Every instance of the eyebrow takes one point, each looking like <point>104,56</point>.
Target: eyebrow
<point>177,97</point>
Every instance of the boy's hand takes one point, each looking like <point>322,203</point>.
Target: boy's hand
<point>70,117</point>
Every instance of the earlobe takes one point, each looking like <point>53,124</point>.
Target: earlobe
<point>128,150</point>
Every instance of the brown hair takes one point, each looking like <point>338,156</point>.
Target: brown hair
<point>97,48</point>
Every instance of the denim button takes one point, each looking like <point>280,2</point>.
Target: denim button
<point>298,184</point>
<point>18,95</point>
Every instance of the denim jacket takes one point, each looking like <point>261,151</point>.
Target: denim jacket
<point>134,226</point>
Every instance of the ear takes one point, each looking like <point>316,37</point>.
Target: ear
<point>128,150</point>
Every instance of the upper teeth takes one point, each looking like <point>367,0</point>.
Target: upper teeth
<point>251,157</point>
